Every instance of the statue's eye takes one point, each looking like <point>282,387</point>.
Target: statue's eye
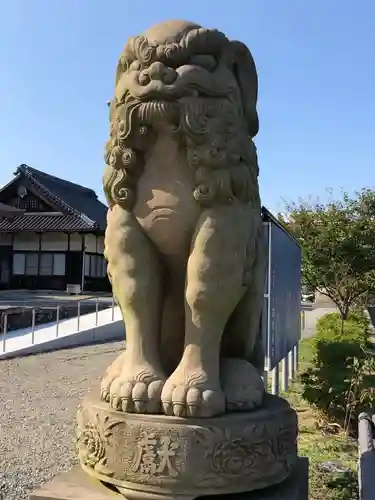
<point>205,60</point>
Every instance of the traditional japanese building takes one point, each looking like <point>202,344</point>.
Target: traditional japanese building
<point>7,211</point>
<point>51,234</point>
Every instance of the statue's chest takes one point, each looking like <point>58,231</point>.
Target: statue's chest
<point>165,206</point>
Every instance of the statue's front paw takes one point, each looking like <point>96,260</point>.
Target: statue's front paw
<point>135,389</point>
<point>191,393</point>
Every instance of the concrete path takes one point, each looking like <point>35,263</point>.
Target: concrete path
<point>312,316</point>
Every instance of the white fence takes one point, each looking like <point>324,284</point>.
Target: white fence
<point>105,313</point>
<point>99,315</point>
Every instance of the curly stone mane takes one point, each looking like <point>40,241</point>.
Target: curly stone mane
<point>214,119</point>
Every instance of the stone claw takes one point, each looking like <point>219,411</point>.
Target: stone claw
<point>126,405</point>
<point>167,408</point>
<point>104,395</point>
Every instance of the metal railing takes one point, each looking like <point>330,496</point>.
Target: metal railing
<point>69,306</point>
<point>289,365</point>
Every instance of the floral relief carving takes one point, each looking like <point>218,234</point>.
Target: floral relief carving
<point>231,457</point>
<point>92,437</point>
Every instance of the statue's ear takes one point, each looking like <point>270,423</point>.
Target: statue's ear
<point>246,75</point>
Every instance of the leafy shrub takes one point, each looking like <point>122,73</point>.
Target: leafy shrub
<point>341,381</point>
<point>355,327</point>
<point>361,319</point>
<point>336,340</point>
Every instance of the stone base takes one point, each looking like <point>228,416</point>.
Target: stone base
<point>77,485</point>
<point>158,457</point>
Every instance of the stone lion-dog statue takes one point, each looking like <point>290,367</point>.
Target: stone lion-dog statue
<point>184,238</point>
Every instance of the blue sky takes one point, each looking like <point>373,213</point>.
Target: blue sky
<point>316,74</point>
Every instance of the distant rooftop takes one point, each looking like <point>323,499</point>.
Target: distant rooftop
<point>80,208</point>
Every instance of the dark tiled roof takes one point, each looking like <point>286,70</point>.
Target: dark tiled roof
<point>8,211</point>
<point>81,199</point>
<point>36,222</point>
<point>80,205</point>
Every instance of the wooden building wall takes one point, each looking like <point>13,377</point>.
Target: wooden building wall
<point>50,261</point>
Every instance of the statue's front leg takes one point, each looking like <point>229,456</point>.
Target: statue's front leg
<point>133,383</point>
<point>214,287</point>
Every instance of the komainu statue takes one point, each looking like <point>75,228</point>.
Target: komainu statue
<point>184,240</point>
<point>186,259</point>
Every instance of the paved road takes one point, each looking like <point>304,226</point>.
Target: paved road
<point>312,316</point>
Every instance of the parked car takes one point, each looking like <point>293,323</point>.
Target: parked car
<point>308,297</point>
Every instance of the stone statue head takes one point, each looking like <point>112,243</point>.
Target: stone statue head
<point>196,84</point>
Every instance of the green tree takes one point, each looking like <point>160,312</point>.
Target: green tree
<point>338,246</point>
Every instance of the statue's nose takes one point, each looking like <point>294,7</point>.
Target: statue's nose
<point>157,71</point>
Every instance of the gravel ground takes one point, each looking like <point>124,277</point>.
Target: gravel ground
<point>38,398</point>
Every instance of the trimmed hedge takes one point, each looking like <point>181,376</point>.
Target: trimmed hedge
<point>332,327</point>
<point>340,383</point>
<point>336,340</point>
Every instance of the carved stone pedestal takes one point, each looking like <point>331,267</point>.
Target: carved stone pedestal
<point>160,457</point>
<point>77,485</point>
